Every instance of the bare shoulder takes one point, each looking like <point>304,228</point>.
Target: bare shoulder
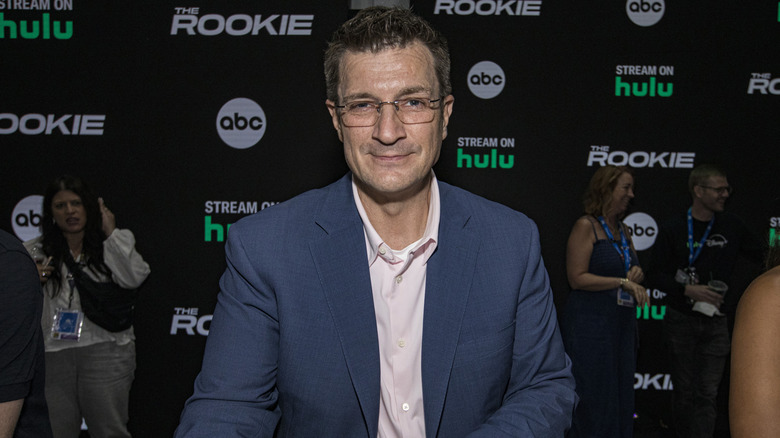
<point>582,231</point>
<point>764,291</point>
<point>585,222</point>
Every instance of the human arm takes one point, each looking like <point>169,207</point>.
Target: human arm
<point>34,247</point>
<point>636,274</point>
<point>235,392</point>
<point>539,400</point>
<point>578,251</point>
<point>700,292</point>
<point>20,316</point>
<point>107,218</point>
<point>754,397</point>
<point>127,267</point>
<point>44,270</point>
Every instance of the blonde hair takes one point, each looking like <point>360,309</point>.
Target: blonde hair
<point>598,196</point>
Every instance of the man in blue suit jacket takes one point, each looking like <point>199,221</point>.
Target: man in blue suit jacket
<point>302,341</point>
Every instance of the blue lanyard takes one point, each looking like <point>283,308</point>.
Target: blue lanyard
<point>624,254</point>
<point>691,255</point>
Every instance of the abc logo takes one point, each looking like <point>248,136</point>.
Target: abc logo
<point>486,79</point>
<point>643,230</point>
<point>241,123</point>
<point>26,217</point>
<point>645,12</point>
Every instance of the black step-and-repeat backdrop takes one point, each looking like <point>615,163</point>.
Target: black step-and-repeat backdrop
<point>185,117</point>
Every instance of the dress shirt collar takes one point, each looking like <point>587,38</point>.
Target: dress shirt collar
<point>374,243</point>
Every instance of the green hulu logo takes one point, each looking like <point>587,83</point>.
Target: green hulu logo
<point>650,312</point>
<point>642,89</point>
<point>31,29</point>
<point>212,228</point>
<point>483,161</point>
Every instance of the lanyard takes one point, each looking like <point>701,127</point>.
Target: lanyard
<point>624,254</point>
<point>691,255</point>
<point>72,283</point>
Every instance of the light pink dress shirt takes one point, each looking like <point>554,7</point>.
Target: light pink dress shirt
<point>398,285</point>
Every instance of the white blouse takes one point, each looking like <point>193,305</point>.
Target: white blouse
<point>128,269</point>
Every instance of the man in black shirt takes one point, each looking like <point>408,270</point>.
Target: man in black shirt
<point>23,410</point>
<point>692,251</point>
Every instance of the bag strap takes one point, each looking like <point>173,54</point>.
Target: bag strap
<point>73,266</point>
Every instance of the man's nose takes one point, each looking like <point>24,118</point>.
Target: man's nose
<point>388,128</point>
<point>393,111</point>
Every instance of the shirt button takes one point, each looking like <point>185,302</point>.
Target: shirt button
<point>405,407</point>
<point>399,279</point>
<point>382,250</point>
<point>401,343</point>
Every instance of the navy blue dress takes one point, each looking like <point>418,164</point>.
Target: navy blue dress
<point>601,339</point>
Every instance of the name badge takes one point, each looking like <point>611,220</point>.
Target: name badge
<point>66,325</point>
<point>625,299</point>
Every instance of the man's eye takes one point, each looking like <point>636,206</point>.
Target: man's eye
<point>415,103</point>
<point>360,106</point>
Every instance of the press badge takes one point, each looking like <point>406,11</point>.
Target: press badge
<point>624,298</point>
<point>66,325</point>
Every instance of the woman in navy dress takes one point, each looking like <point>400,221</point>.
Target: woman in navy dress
<point>599,323</point>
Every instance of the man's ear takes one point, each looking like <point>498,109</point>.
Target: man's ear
<point>446,113</point>
<point>334,117</point>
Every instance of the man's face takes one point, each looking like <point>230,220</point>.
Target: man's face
<point>391,159</point>
<point>713,193</point>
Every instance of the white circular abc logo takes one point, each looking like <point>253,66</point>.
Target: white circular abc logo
<point>486,79</point>
<point>26,217</point>
<point>645,12</point>
<point>241,123</point>
<point>643,230</point>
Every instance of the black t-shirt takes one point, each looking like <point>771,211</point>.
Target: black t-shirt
<point>728,239</point>
<point>22,368</point>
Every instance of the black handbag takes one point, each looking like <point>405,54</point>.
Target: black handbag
<point>106,304</point>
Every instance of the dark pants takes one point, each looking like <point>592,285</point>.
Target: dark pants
<point>698,347</point>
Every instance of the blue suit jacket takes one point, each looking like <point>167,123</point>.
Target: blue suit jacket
<point>293,350</point>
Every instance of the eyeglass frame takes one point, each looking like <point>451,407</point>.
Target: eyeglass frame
<point>719,190</point>
<point>395,103</point>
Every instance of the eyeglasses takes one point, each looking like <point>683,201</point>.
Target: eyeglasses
<point>359,113</point>
<point>719,190</point>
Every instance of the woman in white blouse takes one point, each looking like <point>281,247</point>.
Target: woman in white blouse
<point>89,370</point>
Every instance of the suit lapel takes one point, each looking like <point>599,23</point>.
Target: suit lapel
<point>341,262</point>
<point>340,258</point>
<point>449,275</point>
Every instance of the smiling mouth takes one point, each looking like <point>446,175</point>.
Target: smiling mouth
<point>395,157</point>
